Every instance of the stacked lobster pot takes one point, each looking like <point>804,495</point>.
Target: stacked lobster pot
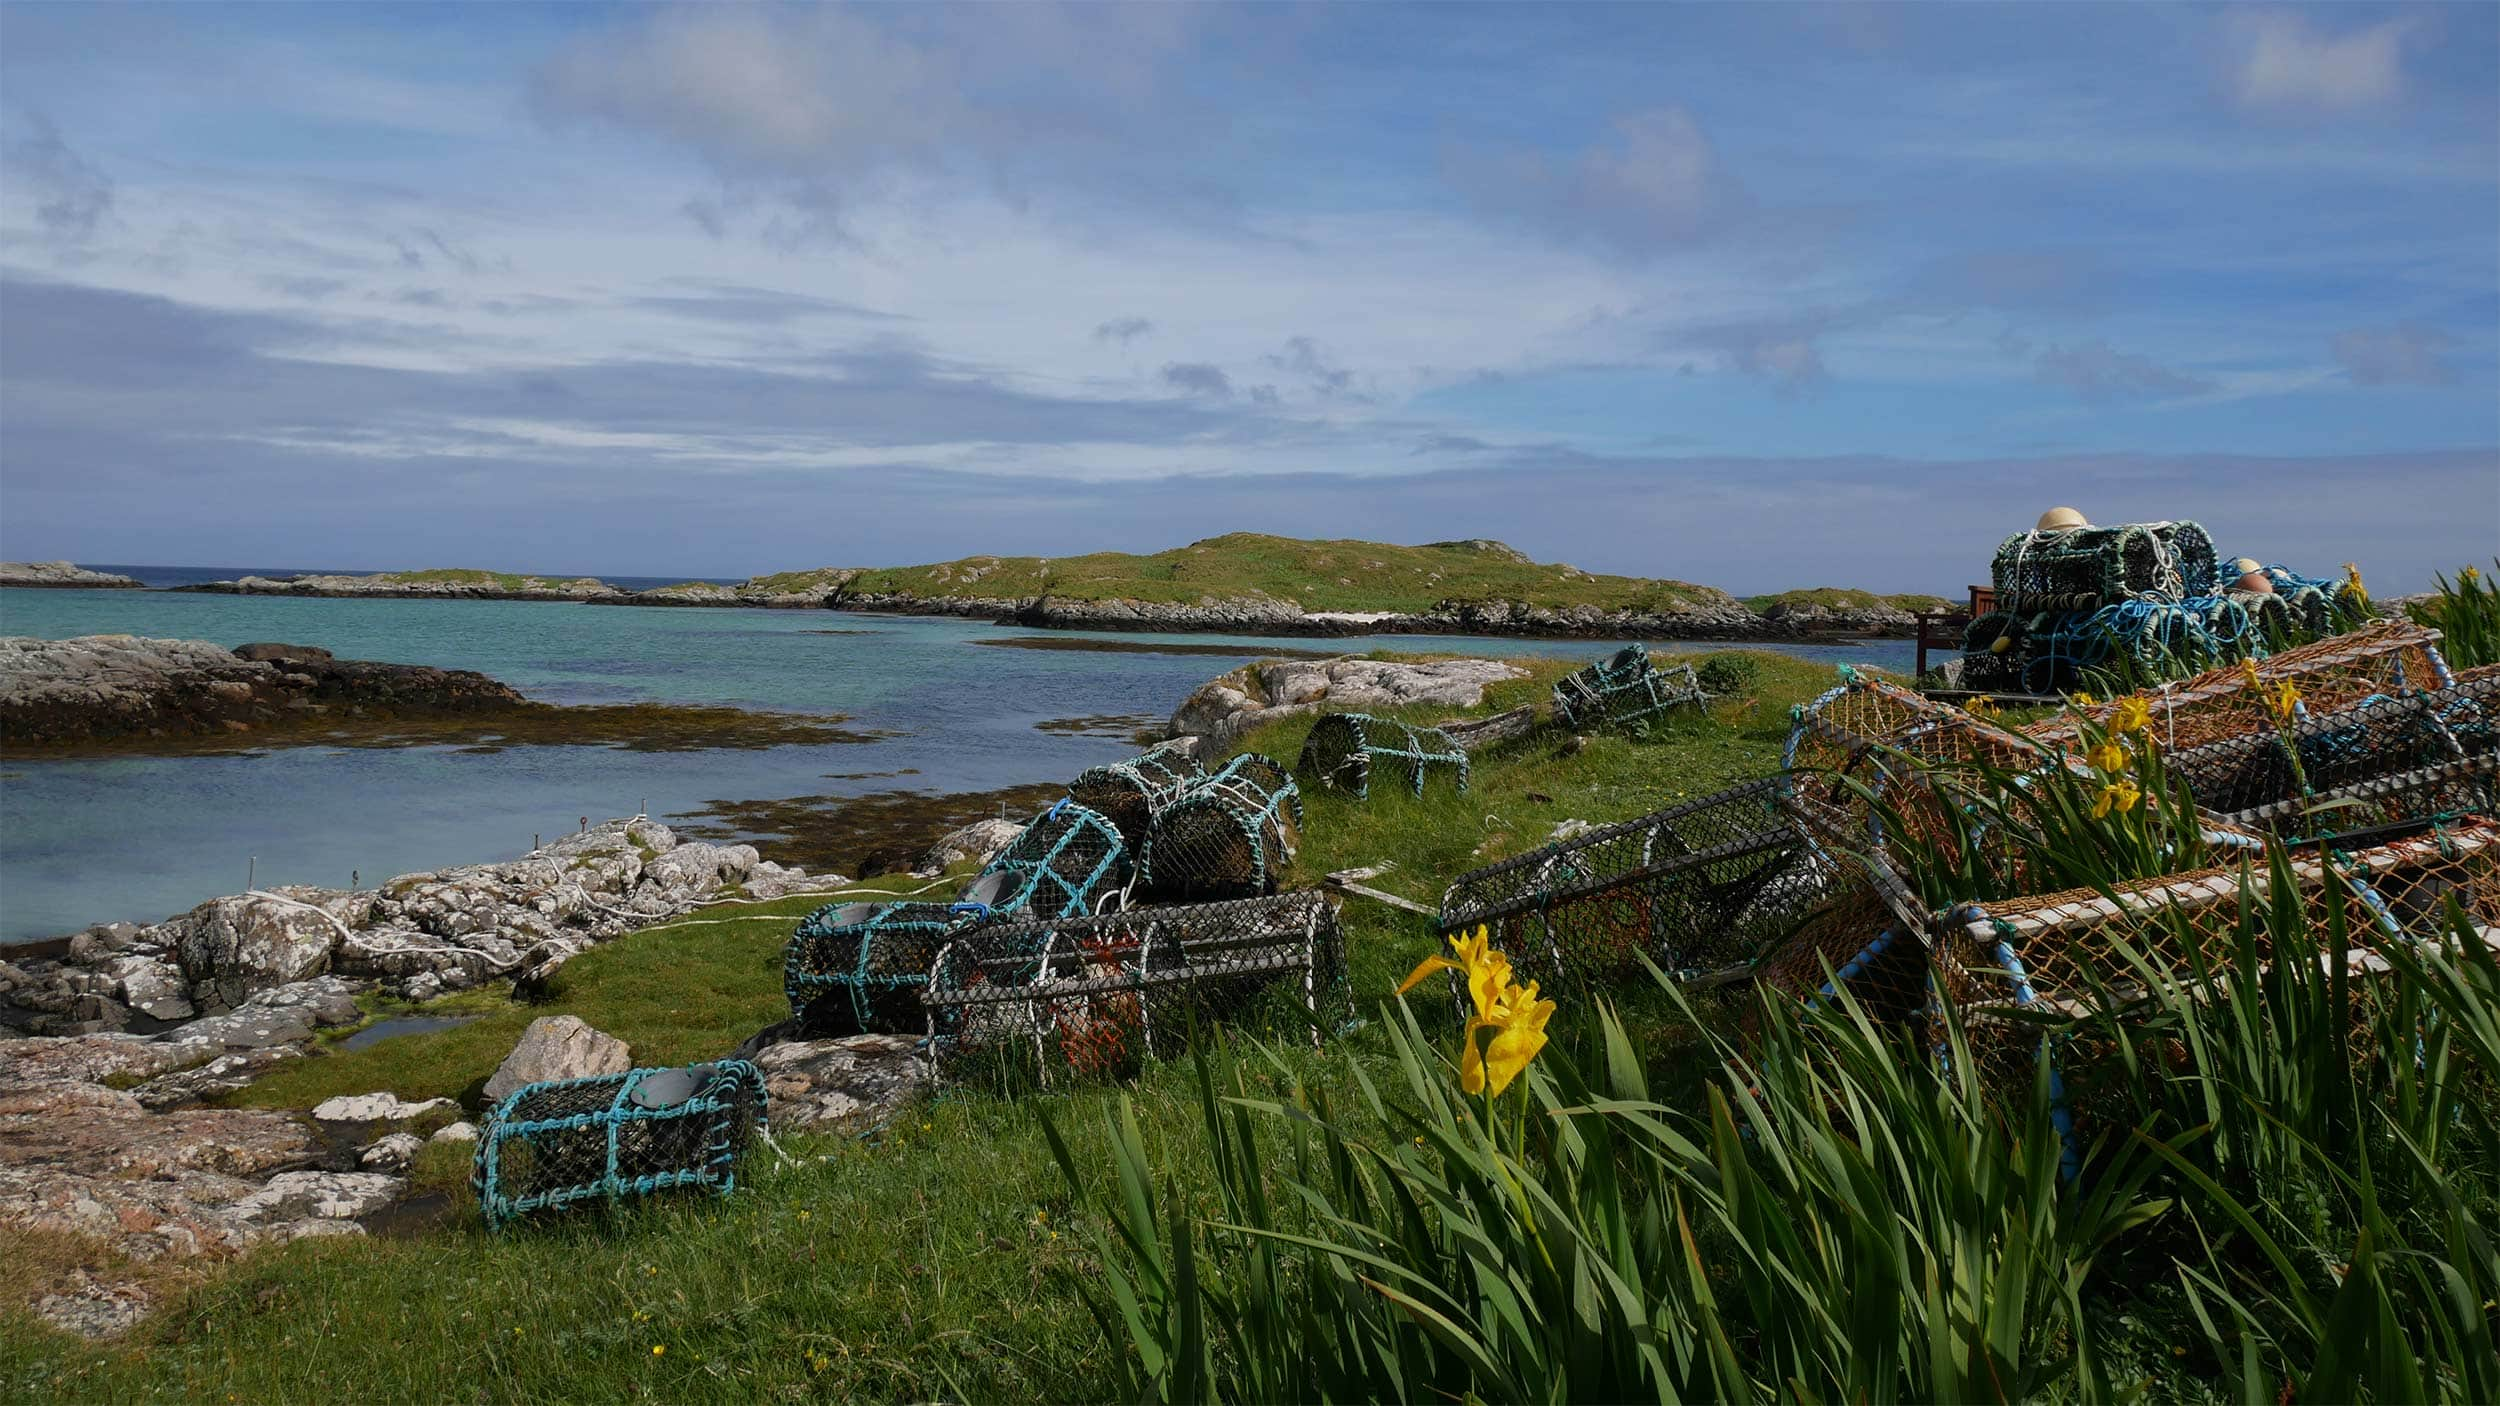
<point>1346,751</point>
<point>2007,963</point>
<point>1047,1000</point>
<point>2141,601</point>
<point>1230,834</point>
<point>857,967</point>
<point>552,1145</point>
<point>1131,793</point>
<point>2380,732</point>
<point>1695,889</point>
<point>1627,689</point>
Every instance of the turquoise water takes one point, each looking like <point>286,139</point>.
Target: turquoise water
<point>138,839</point>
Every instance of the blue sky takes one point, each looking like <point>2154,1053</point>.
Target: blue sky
<point>1758,295</point>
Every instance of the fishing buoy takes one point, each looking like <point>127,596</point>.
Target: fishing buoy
<point>2062,520</point>
<point>2253,577</point>
<point>2000,644</point>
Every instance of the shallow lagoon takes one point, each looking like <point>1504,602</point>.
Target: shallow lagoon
<point>139,839</point>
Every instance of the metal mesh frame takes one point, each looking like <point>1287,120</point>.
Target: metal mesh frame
<point>1229,836</point>
<point>2389,657</point>
<point>1857,941</point>
<point>1130,794</point>
<point>1625,689</point>
<point>1068,859</point>
<point>552,1145</point>
<point>1694,888</point>
<point>1345,749</point>
<point>2411,756</point>
<point>1094,997</point>
<point>2086,568</point>
<point>858,967</point>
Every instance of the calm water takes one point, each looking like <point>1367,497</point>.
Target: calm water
<point>138,839</point>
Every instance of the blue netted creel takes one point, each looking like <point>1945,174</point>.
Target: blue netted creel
<point>1229,835</point>
<point>1626,689</point>
<point>557,1144</point>
<point>1346,750</point>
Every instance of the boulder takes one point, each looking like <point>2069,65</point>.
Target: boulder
<point>1224,709</point>
<point>282,1015</point>
<point>391,1153</point>
<point>153,987</point>
<point>463,1131</point>
<point>557,1047</point>
<point>978,842</point>
<point>375,1108</point>
<point>843,1085</point>
<point>230,948</point>
<point>770,881</point>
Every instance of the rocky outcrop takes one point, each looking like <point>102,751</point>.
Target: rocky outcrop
<point>797,590</point>
<point>100,687</point>
<point>557,1047</point>
<point>1877,620</point>
<point>1223,709</point>
<point>266,967</point>
<point>61,575</point>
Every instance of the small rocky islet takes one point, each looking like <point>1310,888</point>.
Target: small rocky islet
<point>1226,585</point>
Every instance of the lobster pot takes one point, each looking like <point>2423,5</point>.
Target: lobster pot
<point>1873,769</point>
<point>2389,657</point>
<point>1986,668</point>
<point>2383,759</point>
<point>1854,941</point>
<point>2065,954</point>
<point>1132,793</point>
<point>1230,836</point>
<point>1095,997</point>
<point>1694,889</point>
<point>2086,568</point>
<point>554,1145</point>
<point>1345,751</point>
<point>1067,860</point>
<point>1625,689</point>
<point>2149,639</point>
<point>854,968</point>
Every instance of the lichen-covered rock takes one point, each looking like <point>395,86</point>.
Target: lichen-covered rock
<point>842,1085</point>
<point>232,947</point>
<point>557,1047</point>
<point>375,1108</point>
<point>390,1153</point>
<point>281,1015</point>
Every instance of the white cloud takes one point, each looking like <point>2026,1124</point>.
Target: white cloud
<point>2280,61</point>
<point>1655,183</point>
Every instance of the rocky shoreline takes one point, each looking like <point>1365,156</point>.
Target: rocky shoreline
<point>1729,620</point>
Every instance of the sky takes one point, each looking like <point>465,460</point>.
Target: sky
<point>1761,296</point>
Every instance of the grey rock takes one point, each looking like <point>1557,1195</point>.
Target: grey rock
<point>152,987</point>
<point>375,1108</point>
<point>557,1047</point>
<point>463,1131</point>
<point>221,1075</point>
<point>281,1015</point>
<point>842,1085</point>
<point>978,842</point>
<point>390,1153</point>
<point>770,881</point>
<point>1225,708</point>
<point>333,1196</point>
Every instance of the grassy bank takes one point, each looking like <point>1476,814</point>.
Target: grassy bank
<point>934,1260</point>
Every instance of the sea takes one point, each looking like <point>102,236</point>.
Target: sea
<point>138,839</point>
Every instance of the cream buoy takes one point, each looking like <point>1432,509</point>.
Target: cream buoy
<point>2253,576</point>
<point>2062,520</point>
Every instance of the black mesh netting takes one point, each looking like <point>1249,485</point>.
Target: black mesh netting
<point>1626,689</point>
<point>1694,889</point>
<point>1096,996</point>
<point>856,967</point>
<point>2408,756</point>
<point>1229,836</point>
<point>1348,751</point>
<point>2088,567</point>
<point>553,1145</point>
<point>1132,793</point>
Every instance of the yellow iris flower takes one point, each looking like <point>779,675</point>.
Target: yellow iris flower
<point>2110,757</point>
<point>1513,1013</point>
<point>2469,575</point>
<point>2123,795</point>
<point>2285,702</point>
<point>2248,671</point>
<point>2352,584</point>
<point>2083,700</point>
<point>1518,1026</point>
<point>2133,715</point>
